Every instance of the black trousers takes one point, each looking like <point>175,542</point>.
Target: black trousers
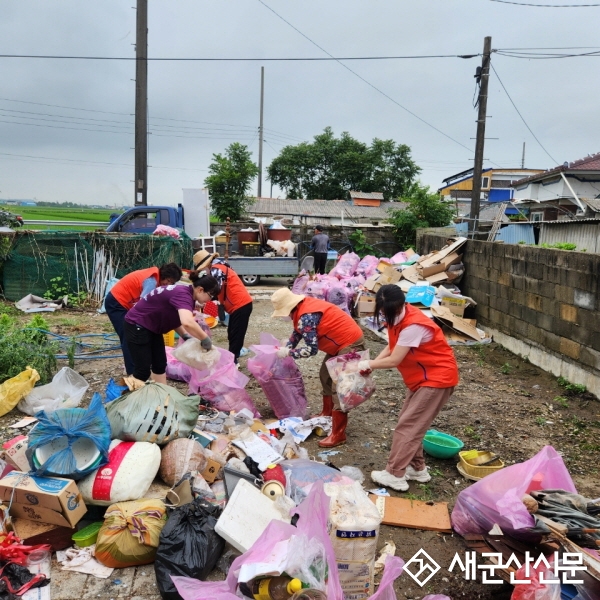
<point>116,313</point>
<point>147,350</point>
<point>236,331</point>
<point>320,262</point>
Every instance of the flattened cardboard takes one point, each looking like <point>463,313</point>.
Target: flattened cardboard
<point>451,259</point>
<point>446,251</point>
<point>409,252</point>
<point>389,276</point>
<point>33,534</point>
<point>211,470</point>
<point>52,500</point>
<point>443,314</point>
<point>411,274</point>
<point>413,514</point>
<point>371,282</point>
<point>432,270</point>
<point>457,305</point>
<point>436,279</point>
<point>382,265</point>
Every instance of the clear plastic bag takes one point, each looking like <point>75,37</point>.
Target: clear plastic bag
<point>497,497</point>
<point>301,474</point>
<point>279,378</point>
<point>176,369</point>
<point>312,523</point>
<point>70,442</point>
<point>66,390</point>
<point>353,389</point>
<point>345,362</point>
<point>192,354</point>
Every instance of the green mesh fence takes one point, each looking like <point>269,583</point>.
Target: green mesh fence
<point>38,257</point>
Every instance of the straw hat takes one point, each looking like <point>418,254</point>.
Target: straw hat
<point>202,259</point>
<point>284,301</point>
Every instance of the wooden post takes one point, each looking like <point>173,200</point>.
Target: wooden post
<point>227,238</point>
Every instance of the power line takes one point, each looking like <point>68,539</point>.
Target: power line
<point>545,56</point>
<point>520,115</point>
<point>238,59</point>
<point>546,5</point>
<point>339,61</point>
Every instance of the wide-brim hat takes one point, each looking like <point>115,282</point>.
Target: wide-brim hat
<point>202,259</point>
<point>284,301</point>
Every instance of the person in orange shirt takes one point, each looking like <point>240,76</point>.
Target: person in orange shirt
<point>418,349</point>
<point>127,292</point>
<point>326,327</point>
<point>233,296</point>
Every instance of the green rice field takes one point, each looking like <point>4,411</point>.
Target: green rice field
<point>58,213</point>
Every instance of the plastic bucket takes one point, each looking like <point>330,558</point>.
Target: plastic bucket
<point>279,235</point>
<point>247,236</point>
<point>169,338</point>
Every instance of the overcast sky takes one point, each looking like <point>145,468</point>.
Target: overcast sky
<point>66,126</point>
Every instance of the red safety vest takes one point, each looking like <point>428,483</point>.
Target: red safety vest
<point>431,364</point>
<point>233,294</point>
<point>335,331</point>
<point>127,291</point>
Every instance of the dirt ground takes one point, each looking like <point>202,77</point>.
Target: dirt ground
<point>502,403</point>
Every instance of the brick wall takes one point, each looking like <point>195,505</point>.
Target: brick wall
<point>545,299</point>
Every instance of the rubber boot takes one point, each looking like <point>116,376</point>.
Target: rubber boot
<point>337,437</point>
<point>327,407</point>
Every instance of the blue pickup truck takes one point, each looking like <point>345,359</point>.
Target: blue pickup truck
<point>144,219</point>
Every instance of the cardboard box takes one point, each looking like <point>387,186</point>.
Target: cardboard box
<point>51,500</point>
<point>365,306</point>
<point>462,326</point>
<point>14,453</point>
<point>372,282</point>
<point>444,252</point>
<point>451,259</point>
<point>33,534</point>
<point>432,270</point>
<point>389,276</point>
<point>411,274</point>
<point>456,305</point>
<point>383,265</point>
<point>437,278</point>
<point>211,470</point>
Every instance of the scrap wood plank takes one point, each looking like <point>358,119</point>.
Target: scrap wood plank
<point>414,514</point>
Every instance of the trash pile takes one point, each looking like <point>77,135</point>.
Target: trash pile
<point>430,283</point>
<point>190,483</point>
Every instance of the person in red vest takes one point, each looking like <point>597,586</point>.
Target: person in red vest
<point>326,327</point>
<point>128,291</point>
<point>418,349</point>
<point>233,296</point>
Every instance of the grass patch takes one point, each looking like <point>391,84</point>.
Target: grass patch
<point>574,389</point>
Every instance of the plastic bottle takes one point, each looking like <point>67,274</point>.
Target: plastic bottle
<point>271,588</point>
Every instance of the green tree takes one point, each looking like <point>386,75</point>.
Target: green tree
<point>229,182</point>
<point>425,209</point>
<point>329,167</point>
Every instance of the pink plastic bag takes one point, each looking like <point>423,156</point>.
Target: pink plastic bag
<point>497,497</point>
<point>317,289</point>
<point>279,378</point>
<point>300,283</point>
<point>313,513</point>
<point>398,258</point>
<point>223,385</point>
<point>346,266</point>
<point>436,597</point>
<point>175,369</point>
<point>367,266</point>
<point>337,295</point>
<point>535,590</point>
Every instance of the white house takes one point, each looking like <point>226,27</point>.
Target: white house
<point>569,191</point>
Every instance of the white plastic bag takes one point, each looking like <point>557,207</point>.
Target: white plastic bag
<point>192,354</point>
<point>66,390</point>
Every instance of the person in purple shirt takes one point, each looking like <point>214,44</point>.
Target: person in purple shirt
<point>166,308</point>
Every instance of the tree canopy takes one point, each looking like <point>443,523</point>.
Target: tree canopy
<point>229,182</point>
<point>425,209</point>
<point>329,167</point>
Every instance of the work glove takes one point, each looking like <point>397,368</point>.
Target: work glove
<point>186,336</point>
<point>206,343</point>
<point>364,367</point>
<point>283,352</point>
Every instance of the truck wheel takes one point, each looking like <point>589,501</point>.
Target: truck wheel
<point>250,279</point>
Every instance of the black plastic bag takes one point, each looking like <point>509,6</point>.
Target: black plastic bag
<point>188,546</point>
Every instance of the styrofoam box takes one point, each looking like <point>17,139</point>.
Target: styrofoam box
<point>246,516</point>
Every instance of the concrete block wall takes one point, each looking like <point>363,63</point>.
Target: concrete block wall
<point>541,303</point>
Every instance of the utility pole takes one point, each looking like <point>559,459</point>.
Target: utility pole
<point>483,75</point>
<point>261,133</point>
<point>523,157</point>
<point>141,105</point>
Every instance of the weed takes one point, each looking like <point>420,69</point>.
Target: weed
<point>506,369</point>
<point>470,432</point>
<point>359,242</point>
<point>71,352</point>
<point>59,288</point>
<point>560,246</point>
<point>435,472</point>
<point>561,401</point>
<point>573,388</point>
<point>67,322</point>
<point>540,420</point>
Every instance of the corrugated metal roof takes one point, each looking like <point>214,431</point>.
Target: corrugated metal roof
<point>367,195</point>
<point>322,208</point>
<point>589,163</point>
<point>593,203</point>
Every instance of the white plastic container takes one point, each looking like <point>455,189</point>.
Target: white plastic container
<point>246,516</point>
<point>354,529</point>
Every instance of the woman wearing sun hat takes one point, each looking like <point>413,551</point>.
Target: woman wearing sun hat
<point>326,327</point>
<point>233,296</point>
